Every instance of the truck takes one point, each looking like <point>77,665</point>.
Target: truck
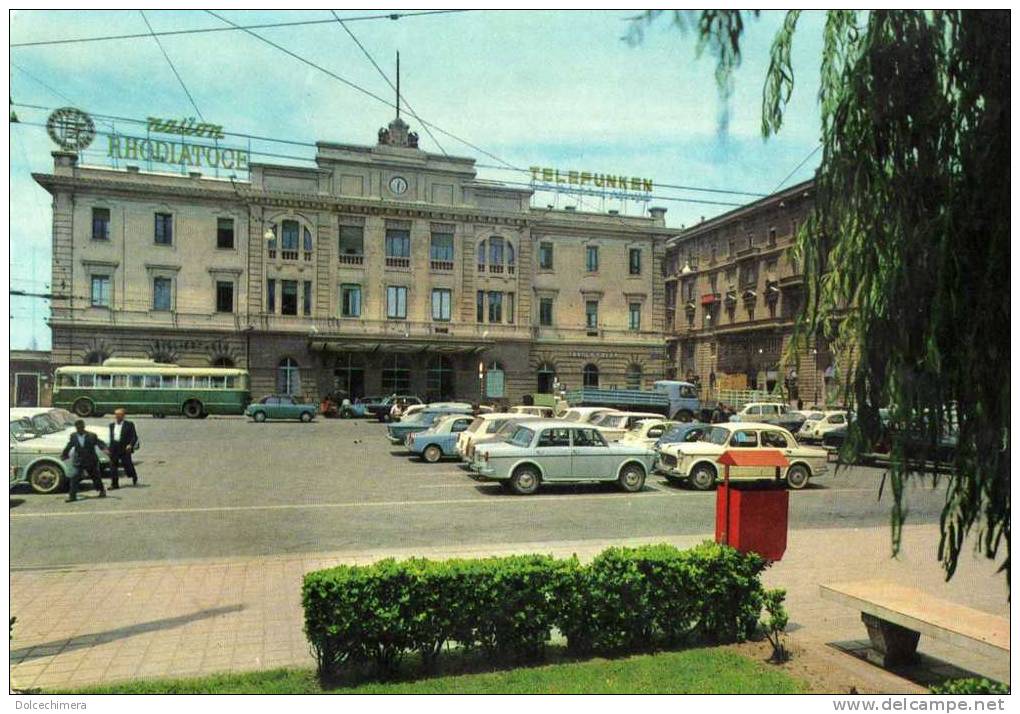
<point>676,400</point>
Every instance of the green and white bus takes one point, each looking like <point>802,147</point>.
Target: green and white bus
<point>144,386</point>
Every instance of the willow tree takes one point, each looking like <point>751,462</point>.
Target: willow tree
<point>906,255</point>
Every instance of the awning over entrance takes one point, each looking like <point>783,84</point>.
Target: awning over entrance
<point>448,347</point>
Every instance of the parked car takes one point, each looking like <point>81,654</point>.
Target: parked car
<point>280,406</point>
<point>486,428</point>
<point>35,457</point>
<point>353,409</point>
<point>813,431</point>
<point>439,441</point>
<point>614,425</point>
<point>584,415</point>
<point>45,420</point>
<point>557,451</point>
<point>683,433</point>
<point>761,413</point>
<point>381,409</point>
<point>647,431</point>
<point>696,462</point>
<point>398,432</point>
<point>534,411</point>
<point>413,409</point>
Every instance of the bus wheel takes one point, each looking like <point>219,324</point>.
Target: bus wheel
<point>46,478</point>
<point>84,408</point>
<point>193,409</point>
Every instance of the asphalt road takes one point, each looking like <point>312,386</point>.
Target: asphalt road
<point>228,487</point>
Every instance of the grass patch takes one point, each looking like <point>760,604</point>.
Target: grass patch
<point>693,671</point>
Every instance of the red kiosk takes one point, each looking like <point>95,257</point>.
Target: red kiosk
<point>753,515</point>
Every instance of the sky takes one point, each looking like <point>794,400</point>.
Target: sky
<point>556,89</point>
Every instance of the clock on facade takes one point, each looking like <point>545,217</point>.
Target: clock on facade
<point>398,185</point>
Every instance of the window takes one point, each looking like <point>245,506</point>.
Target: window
<point>773,439</point>
<point>634,322</point>
<point>744,439</point>
<point>164,229</point>
<point>634,375</point>
<point>153,381</point>
<point>101,291</point>
<point>592,258</point>
<point>396,374</point>
<point>545,312</point>
<point>545,256</point>
<point>772,237</point>
<point>635,261</point>
<point>270,295</point>
<point>554,437</point>
<point>289,243</point>
<point>288,377</point>
<point>352,240</point>
<point>396,302</point>
<point>495,307</point>
<point>398,243</point>
<point>224,296</point>
<point>350,301</point>
<point>288,297</point>
<point>441,248</point>
<point>307,289</point>
<point>225,362</point>
<point>441,299</point>
<point>100,224</point>
<point>161,294</point>
<point>480,306</point>
<point>225,233</point>
<point>546,378</point>
<point>495,381</point>
<point>309,244</point>
<point>511,259</point>
<point>481,256</point>
<point>496,251</point>
<point>591,314</point>
<point>589,437</point>
<point>590,375</point>
<point>137,381</point>
<point>510,308</point>
<point>440,378</point>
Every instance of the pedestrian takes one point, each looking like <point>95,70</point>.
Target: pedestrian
<point>123,443</point>
<point>86,460</point>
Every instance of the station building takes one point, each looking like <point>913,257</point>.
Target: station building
<point>383,268</point>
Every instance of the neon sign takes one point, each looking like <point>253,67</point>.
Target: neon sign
<point>589,179</point>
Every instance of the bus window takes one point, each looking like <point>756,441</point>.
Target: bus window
<point>153,381</point>
<point>120,381</point>
<point>219,382</point>
<point>202,382</point>
<point>84,380</point>
<point>184,381</point>
<point>137,381</point>
<point>231,382</point>
<point>169,381</point>
<point>66,380</point>
<point>104,381</point>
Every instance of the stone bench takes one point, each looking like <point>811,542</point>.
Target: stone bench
<point>896,616</point>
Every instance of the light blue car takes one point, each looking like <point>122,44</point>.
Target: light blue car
<point>440,440</point>
<point>398,432</point>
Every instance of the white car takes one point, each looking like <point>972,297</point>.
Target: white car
<point>534,411</point>
<point>647,431</point>
<point>614,425</point>
<point>696,462</point>
<point>815,430</point>
<point>584,415</point>
<point>761,412</point>
<point>412,409</point>
<point>486,428</point>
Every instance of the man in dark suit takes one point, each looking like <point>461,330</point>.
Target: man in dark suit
<point>123,443</point>
<point>86,460</point>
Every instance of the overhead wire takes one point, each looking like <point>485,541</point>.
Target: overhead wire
<point>797,168</point>
<point>170,62</point>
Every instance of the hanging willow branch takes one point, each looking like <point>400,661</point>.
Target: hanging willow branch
<point>906,254</point>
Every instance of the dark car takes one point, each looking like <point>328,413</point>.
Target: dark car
<point>381,409</point>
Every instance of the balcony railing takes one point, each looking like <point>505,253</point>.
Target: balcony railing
<point>397,262</point>
<point>441,266</point>
<point>308,256</point>
<point>352,259</point>
<point>510,269</point>
<point>271,253</point>
<point>289,254</point>
<point>495,268</point>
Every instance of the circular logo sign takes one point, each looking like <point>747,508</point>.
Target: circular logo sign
<point>71,129</point>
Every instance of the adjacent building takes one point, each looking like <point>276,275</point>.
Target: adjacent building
<point>381,269</point>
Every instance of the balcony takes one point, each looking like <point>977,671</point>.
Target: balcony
<point>289,254</point>
<point>308,256</point>
<point>352,259</point>
<point>441,266</point>
<point>510,270</point>
<point>497,269</point>
<point>398,263</point>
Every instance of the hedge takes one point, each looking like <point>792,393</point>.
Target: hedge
<point>627,599</point>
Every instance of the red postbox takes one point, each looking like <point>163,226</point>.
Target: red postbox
<point>753,515</point>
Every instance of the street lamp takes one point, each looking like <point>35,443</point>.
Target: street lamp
<point>481,381</point>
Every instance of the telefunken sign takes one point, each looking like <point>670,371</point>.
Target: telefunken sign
<point>589,179</point>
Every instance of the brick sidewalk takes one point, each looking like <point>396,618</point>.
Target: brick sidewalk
<point>103,623</point>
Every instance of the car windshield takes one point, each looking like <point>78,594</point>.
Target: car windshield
<point>45,424</point>
<point>20,430</point>
<point>521,436</point>
<point>613,421</point>
<point>571,416</point>
<point>475,424</point>
<point>507,427</point>
<point>717,435</point>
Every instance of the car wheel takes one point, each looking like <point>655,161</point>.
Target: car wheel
<point>306,417</point>
<point>703,477</point>
<point>46,478</point>
<point>632,478</point>
<point>432,453</point>
<point>259,416</point>
<point>193,409</point>
<point>525,481</point>
<point>84,408</point>
<point>797,477</point>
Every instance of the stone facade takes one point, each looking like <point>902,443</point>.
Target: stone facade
<point>381,268</point>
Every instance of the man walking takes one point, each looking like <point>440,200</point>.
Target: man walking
<point>123,443</point>
<point>86,460</point>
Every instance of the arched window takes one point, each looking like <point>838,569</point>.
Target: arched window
<point>349,374</point>
<point>495,381</point>
<point>496,250</point>
<point>288,377</point>
<point>290,235</point>
<point>481,256</point>
<point>396,374</point>
<point>440,379</point>
<point>546,378</point>
<point>222,361</point>
<point>308,240</point>
<point>591,375</point>
<point>634,375</point>
<point>510,258</point>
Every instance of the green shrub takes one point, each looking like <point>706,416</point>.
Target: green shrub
<point>971,685</point>
<point>628,599</point>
